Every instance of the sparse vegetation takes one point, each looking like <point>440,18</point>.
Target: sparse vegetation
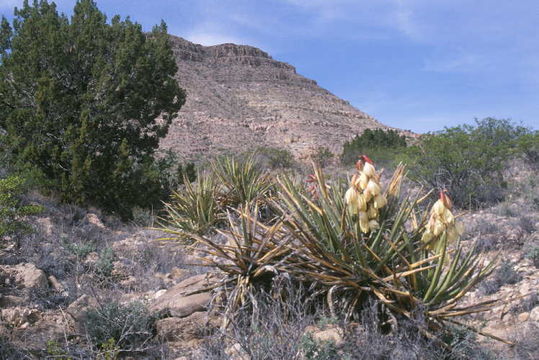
<point>126,327</point>
<point>505,274</point>
<point>322,156</point>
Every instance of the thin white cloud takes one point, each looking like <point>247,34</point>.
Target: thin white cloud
<point>459,63</point>
<point>208,39</point>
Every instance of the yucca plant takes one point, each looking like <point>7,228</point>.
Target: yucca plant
<point>365,243</point>
<point>242,180</point>
<point>253,253</point>
<point>351,244</point>
<point>193,209</point>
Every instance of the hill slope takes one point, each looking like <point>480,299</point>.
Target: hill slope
<point>239,98</point>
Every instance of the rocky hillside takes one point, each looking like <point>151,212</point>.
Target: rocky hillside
<point>239,98</point>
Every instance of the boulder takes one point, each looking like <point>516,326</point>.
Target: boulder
<point>195,326</point>
<point>26,275</point>
<point>182,306</point>
<point>79,307</point>
<point>20,316</point>
<point>189,296</point>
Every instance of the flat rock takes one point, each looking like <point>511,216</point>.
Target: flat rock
<point>182,306</point>
<point>194,326</point>
<point>189,296</point>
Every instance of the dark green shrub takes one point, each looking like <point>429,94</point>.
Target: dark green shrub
<point>131,326</point>
<point>466,160</point>
<point>12,209</point>
<point>380,145</point>
<point>274,158</point>
<point>528,146</point>
<point>81,102</point>
<point>322,156</point>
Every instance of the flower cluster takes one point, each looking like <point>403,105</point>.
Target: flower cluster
<point>364,197</point>
<point>441,220</point>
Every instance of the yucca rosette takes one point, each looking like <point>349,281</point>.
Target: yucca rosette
<point>441,221</point>
<point>364,198</point>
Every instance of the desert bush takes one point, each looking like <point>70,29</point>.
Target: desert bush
<point>130,326</point>
<point>532,253</point>
<point>526,344</point>
<point>273,329</point>
<point>274,158</point>
<point>104,265</point>
<point>322,156</point>
<point>381,145</point>
<point>12,208</point>
<point>467,160</point>
<point>528,145</point>
<point>9,351</point>
<point>504,275</point>
<point>282,328</point>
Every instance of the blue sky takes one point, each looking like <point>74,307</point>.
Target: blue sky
<point>413,64</point>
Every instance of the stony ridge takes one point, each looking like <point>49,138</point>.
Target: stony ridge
<point>240,98</point>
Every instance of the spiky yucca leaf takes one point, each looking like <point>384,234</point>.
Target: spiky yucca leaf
<point>193,209</point>
<point>252,254</point>
<point>243,181</point>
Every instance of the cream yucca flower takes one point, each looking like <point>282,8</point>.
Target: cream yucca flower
<point>441,220</point>
<point>364,197</point>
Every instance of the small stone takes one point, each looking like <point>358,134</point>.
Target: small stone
<point>523,317</point>
<point>236,352</point>
<point>534,314</point>
<point>94,220</point>
<point>56,285</point>
<point>19,316</point>
<point>331,333</point>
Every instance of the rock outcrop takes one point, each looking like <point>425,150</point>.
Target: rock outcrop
<point>239,98</point>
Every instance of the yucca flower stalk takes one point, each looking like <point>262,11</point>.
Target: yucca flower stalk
<point>441,221</point>
<point>364,198</point>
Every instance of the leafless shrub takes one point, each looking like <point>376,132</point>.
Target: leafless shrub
<point>526,344</point>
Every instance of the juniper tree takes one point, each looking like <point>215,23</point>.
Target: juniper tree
<point>85,101</point>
